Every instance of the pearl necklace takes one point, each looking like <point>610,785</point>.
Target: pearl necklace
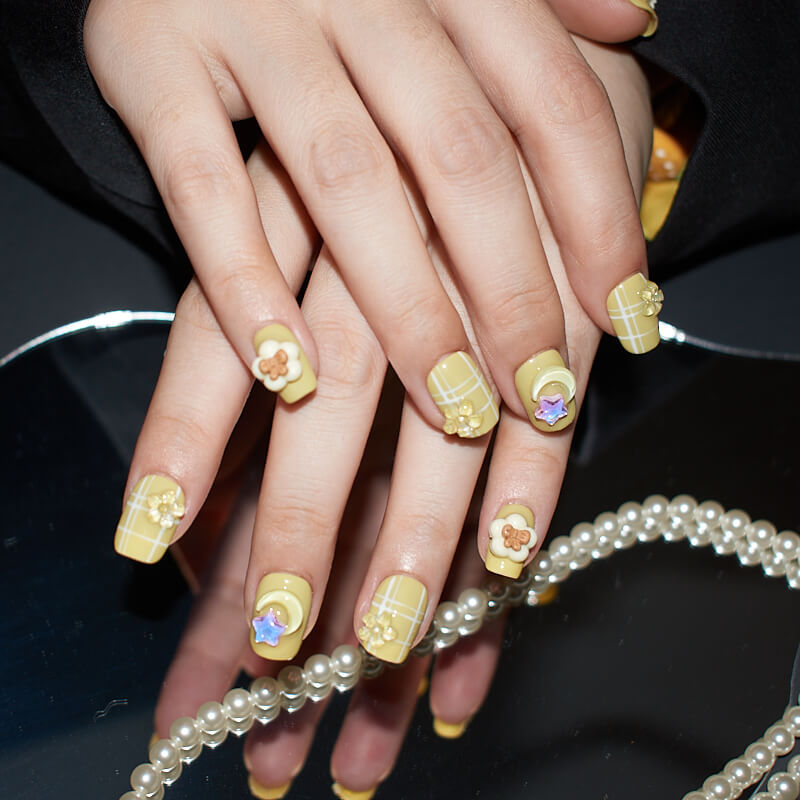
<point>728,532</point>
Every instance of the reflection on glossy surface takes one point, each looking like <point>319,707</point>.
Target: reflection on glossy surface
<point>650,670</point>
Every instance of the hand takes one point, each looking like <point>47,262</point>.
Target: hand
<point>344,90</point>
<point>303,499</point>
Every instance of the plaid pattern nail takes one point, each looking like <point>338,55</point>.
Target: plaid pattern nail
<point>456,382</point>
<point>636,332</point>
<point>138,536</point>
<point>400,602</point>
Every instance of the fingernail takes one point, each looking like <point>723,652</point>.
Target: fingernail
<point>393,620</point>
<point>511,538</point>
<point>423,685</point>
<point>267,792</point>
<point>281,365</point>
<point>650,7</point>
<point>153,739</point>
<point>633,307</point>
<point>348,794</point>
<point>463,396</point>
<point>152,513</point>
<point>547,390</point>
<point>280,616</point>
<point>546,597</point>
<point>449,730</point>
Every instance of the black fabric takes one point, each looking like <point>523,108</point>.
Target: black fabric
<point>741,57</point>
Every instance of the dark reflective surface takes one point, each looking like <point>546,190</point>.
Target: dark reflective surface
<point>651,670</point>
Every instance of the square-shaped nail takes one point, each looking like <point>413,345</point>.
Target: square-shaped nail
<point>392,622</point>
<point>547,390</point>
<point>280,615</point>
<point>463,396</point>
<point>633,308</point>
<point>281,365</point>
<point>512,536</point>
<point>148,522</point>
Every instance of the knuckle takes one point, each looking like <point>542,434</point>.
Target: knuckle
<point>198,175</point>
<point>521,306</point>
<point>569,93</point>
<point>240,284</point>
<point>194,311</point>
<point>352,362</point>
<point>419,529</point>
<point>183,436</point>
<point>345,160</point>
<point>464,145</point>
<point>424,314</point>
<point>297,518</point>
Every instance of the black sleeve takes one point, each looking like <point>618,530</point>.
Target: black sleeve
<point>741,58</point>
<point>742,182</point>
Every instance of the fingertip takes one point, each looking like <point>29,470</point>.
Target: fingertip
<point>263,792</point>
<point>343,793</point>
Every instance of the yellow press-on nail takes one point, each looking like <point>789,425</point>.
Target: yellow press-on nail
<point>153,739</point>
<point>281,364</point>
<point>649,7</point>
<point>633,307</point>
<point>449,730</point>
<point>392,622</point>
<point>148,522</point>
<point>280,616</point>
<point>512,536</point>
<point>547,390</point>
<point>463,396</point>
<point>267,792</point>
<point>423,686</point>
<point>344,793</point>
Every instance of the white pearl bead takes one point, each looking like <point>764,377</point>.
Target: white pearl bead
<point>606,524</point>
<point>793,767</point>
<point>132,796</point>
<point>473,604</point>
<point>266,692</point>
<point>649,531</point>
<point>542,565</point>
<point>580,560</point>
<point>211,717</point>
<point>470,626</point>
<point>145,779</point>
<point>761,533</point>
<point>184,733</point>
<point>237,704</point>
<point>604,547</point>
<point>656,507</point>
<point>697,537</point>
<point>717,788</point>
<point>723,544</point>
<point>560,550</point>
<point>319,670</point>
<point>675,530</point>
<point>779,739</point>
<point>164,755</point>
<point>627,536</point>
<point>629,513</point>
<point>782,786</point>
<point>346,660</point>
<point>762,796</point>
<point>759,757</point>
<point>735,523</point>
<point>560,573</point>
<point>791,719</point>
<point>583,537</point>
<point>708,514</point>
<point>695,796</point>
<point>773,564</point>
<point>448,617</point>
<point>748,553</point>
<point>292,681</point>
<point>787,543</point>
<point>682,508</point>
<point>738,772</point>
<point>444,640</point>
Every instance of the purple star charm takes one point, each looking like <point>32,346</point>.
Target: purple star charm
<point>551,409</point>
<point>268,629</point>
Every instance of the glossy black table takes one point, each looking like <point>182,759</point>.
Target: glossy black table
<point>649,672</point>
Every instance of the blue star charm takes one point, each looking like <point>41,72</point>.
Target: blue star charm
<point>551,409</point>
<point>268,629</point>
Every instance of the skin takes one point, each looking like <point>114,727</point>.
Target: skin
<point>313,494</point>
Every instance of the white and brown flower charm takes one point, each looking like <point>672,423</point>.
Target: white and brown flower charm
<point>511,537</point>
<point>277,364</point>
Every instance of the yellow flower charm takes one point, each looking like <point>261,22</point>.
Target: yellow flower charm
<point>462,421</point>
<point>652,298</point>
<point>165,509</point>
<point>376,631</point>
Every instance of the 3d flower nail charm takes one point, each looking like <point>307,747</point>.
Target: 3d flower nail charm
<point>277,364</point>
<point>511,537</point>
<point>267,628</point>
<point>551,409</point>
<point>462,421</point>
<point>376,631</point>
<point>165,509</point>
<point>652,298</point>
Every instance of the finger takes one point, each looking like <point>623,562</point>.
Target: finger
<point>466,164</point>
<point>608,20</point>
<point>349,181</point>
<point>183,130</point>
<point>432,484</point>
<point>186,429</point>
<point>557,107</point>
<point>314,455</point>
